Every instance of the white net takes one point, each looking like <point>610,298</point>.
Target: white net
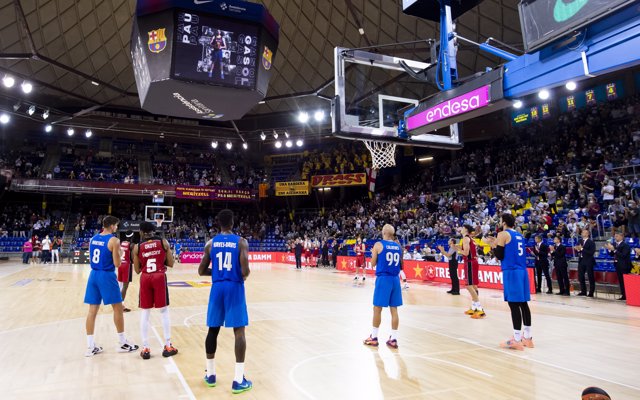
<point>383,155</point>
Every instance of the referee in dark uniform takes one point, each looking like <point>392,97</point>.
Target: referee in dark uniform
<point>452,255</point>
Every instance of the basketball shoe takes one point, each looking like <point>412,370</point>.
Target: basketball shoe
<point>145,353</point>
<point>241,387</point>
<point>93,351</point>
<point>512,345</point>
<point>528,343</point>
<point>393,343</point>
<point>478,314</point>
<point>128,348</point>
<point>210,380</point>
<point>371,341</point>
<point>169,351</point>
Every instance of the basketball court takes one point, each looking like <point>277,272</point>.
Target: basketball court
<point>304,341</point>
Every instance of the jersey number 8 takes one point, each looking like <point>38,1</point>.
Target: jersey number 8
<point>393,258</point>
<point>96,256</point>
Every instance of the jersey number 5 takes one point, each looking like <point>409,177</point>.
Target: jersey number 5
<point>520,249</point>
<point>151,265</point>
<point>224,261</point>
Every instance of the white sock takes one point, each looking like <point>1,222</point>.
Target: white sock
<point>374,332</point>
<point>394,334</point>
<point>527,332</point>
<point>145,316</point>
<point>211,367</point>
<point>166,325</point>
<point>473,306</point>
<point>120,285</point>
<point>91,342</point>
<point>478,306</point>
<point>239,372</point>
<point>122,338</point>
<point>517,335</point>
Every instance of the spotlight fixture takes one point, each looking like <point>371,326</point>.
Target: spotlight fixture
<point>88,133</point>
<point>245,145</point>
<point>286,134</point>
<point>31,110</point>
<point>17,106</point>
<point>299,142</point>
<point>423,159</point>
<point>303,117</point>
<point>263,136</point>
<point>70,131</point>
<point>544,94</point>
<point>94,83</point>
<point>275,134</point>
<point>27,87</point>
<point>8,81</point>
<point>517,104</point>
<point>48,128</point>
<point>214,144</point>
<point>319,116</point>
<point>289,144</point>
<point>278,144</point>
<point>45,114</point>
<point>4,118</point>
<point>571,85</point>
<point>229,145</point>
<point>261,102</point>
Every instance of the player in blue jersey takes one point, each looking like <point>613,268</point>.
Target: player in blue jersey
<point>509,248</point>
<point>229,258</point>
<point>102,286</point>
<point>386,255</point>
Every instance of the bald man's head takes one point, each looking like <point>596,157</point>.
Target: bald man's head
<point>388,231</point>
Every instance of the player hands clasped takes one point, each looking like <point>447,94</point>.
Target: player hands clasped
<point>509,247</point>
<point>361,261</point>
<point>151,258</point>
<point>386,255</point>
<point>472,268</point>
<point>229,259</point>
<point>102,286</point>
<point>125,270</point>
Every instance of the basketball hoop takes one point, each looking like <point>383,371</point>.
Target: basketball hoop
<point>159,222</point>
<point>383,154</point>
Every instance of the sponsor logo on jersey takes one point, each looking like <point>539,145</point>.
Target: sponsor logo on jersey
<point>267,56</point>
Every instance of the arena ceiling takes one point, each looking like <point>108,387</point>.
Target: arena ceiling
<point>65,45</point>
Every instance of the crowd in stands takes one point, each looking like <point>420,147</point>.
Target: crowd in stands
<point>346,158</point>
<point>23,163</point>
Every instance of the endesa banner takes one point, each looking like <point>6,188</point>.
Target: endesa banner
<point>355,179</point>
<point>213,193</point>
<point>489,276</point>
<point>254,257</point>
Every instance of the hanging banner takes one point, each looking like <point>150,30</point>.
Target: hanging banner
<point>545,110</point>
<point>262,190</point>
<point>571,103</point>
<point>591,97</point>
<point>612,91</point>
<point>295,188</point>
<point>214,193</point>
<point>355,179</point>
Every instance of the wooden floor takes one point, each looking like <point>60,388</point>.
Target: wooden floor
<point>304,342</point>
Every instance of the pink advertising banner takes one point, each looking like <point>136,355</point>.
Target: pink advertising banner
<point>468,102</point>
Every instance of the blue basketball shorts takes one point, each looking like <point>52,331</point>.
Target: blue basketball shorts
<point>387,292</point>
<point>516,285</point>
<point>227,305</point>
<point>102,287</point>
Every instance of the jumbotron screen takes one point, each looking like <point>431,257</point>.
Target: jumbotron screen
<point>215,50</point>
<point>544,21</point>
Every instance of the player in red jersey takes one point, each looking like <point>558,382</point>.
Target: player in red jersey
<point>471,270</point>
<point>307,251</point>
<point>151,258</point>
<point>361,261</point>
<point>125,270</point>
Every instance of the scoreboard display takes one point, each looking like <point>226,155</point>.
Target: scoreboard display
<point>210,60</point>
<point>215,50</point>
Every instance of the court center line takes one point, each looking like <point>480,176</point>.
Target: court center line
<point>548,364</point>
<point>176,370</point>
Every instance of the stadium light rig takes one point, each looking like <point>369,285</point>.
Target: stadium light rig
<point>214,144</point>
<point>229,145</point>
<point>544,94</point>
<point>319,116</point>
<point>70,131</point>
<point>8,81</point>
<point>278,144</point>
<point>275,135</point>
<point>45,114</point>
<point>245,145</point>
<point>299,143</point>
<point>571,85</point>
<point>517,104</point>
<point>303,117</point>
<point>31,110</point>
<point>425,159</point>
<point>263,136</point>
<point>27,87</point>
<point>48,128</point>
<point>289,144</point>
<point>88,133</point>
<point>4,118</point>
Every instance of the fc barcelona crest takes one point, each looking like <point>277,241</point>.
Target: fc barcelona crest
<point>267,55</point>
<point>157,40</point>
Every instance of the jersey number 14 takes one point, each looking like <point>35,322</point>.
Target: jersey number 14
<point>224,261</point>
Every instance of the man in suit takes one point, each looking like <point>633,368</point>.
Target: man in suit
<point>586,263</point>
<point>559,255</point>
<point>621,253</point>
<point>298,252</point>
<point>541,252</point>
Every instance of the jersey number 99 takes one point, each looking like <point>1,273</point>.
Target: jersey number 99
<point>393,258</point>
